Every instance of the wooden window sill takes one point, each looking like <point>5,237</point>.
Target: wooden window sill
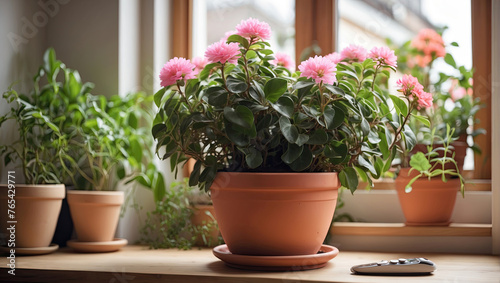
<point>399,229</point>
<point>470,185</point>
<point>139,264</point>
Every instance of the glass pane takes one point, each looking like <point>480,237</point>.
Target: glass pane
<point>212,19</point>
<point>370,23</point>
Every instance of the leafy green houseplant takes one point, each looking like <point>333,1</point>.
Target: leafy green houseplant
<point>244,113</point>
<point>171,224</point>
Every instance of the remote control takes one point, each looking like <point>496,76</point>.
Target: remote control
<point>402,266</point>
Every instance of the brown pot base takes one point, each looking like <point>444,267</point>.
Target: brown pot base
<point>276,263</point>
<point>97,247</point>
<point>32,251</point>
<point>446,223</point>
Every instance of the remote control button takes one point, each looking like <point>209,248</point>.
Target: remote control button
<point>383,262</point>
<point>402,260</point>
<point>394,261</point>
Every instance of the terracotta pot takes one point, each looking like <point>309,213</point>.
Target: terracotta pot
<point>275,214</point>
<point>199,218</point>
<point>430,202</point>
<point>36,210</point>
<point>95,214</point>
<point>460,152</point>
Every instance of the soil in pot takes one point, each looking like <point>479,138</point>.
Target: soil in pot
<point>36,209</point>
<point>95,214</point>
<point>274,214</point>
<point>430,202</point>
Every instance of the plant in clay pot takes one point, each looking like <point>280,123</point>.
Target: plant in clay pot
<point>427,191</point>
<point>176,223</point>
<point>41,148</point>
<point>273,145</point>
<point>454,104</point>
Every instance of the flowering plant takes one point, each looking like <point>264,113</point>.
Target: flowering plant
<point>452,90</point>
<point>249,111</point>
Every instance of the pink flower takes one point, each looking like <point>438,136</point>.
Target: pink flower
<point>458,93</point>
<point>176,69</point>
<point>283,59</point>
<point>384,56</point>
<point>253,28</point>
<point>319,68</point>
<point>435,49</point>
<point>430,35</point>
<point>200,63</point>
<point>354,52</point>
<point>409,85</point>
<point>424,98</point>
<point>335,57</point>
<point>223,52</point>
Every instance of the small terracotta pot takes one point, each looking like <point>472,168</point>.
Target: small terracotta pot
<point>430,202</point>
<point>274,214</point>
<point>95,214</point>
<point>199,218</point>
<point>36,211</point>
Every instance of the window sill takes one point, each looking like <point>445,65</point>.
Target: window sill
<point>139,264</point>
<point>399,229</point>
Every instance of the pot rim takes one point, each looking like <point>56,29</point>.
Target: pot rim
<point>40,191</point>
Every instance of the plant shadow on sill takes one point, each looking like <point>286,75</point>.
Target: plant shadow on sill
<point>221,267</point>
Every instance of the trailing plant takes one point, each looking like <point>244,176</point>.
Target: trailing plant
<point>169,225</point>
<point>245,112</point>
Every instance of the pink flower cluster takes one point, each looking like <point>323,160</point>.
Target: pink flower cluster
<point>223,52</point>
<point>284,60</point>
<point>411,88</point>
<point>319,68</point>
<point>176,69</point>
<point>458,93</point>
<point>354,53</point>
<point>199,63</point>
<point>431,44</point>
<point>254,29</point>
<point>384,56</point>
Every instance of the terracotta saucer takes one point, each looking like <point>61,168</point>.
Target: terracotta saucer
<point>97,247</point>
<point>276,263</point>
<point>32,251</point>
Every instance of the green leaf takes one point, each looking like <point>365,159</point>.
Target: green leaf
<point>448,58</point>
<point>290,132</point>
<point>400,105</point>
<point>241,116</point>
<point>238,38</point>
<point>318,137</point>
<point>274,88</point>
<point>206,71</point>
<point>284,106</point>
<point>366,164</point>
<point>419,162</point>
<point>337,153</point>
<point>349,179</point>
<point>253,158</point>
<point>410,138</point>
<point>159,187</point>
<point>365,126</point>
<point>303,161</point>
<point>235,85</point>
<point>216,96</point>
<point>195,174</point>
<point>454,44</point>
<point>292,153</point>
<point>235,136</point>
<point>424,120</point>
<point>302,139</point>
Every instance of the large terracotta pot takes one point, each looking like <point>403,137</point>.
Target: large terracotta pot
<point>430,202</point>
<point>274,214</point>
<point>36,211</point>
<point>95,214</point>
<point>201,216</point>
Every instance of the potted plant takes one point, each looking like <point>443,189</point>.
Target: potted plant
<point>41,148</point>
<point>115,146</point>
<point>176,223</point>
<point>427,191</point>
<point>452,91</point>
<point>273,145</point>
